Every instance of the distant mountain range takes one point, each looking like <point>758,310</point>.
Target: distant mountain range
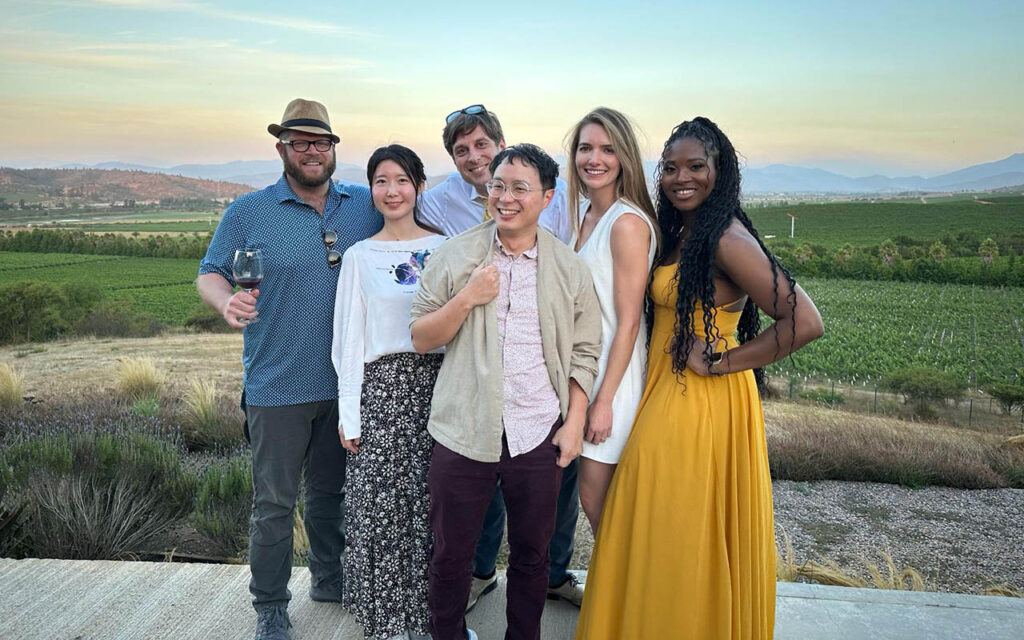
<point>74,185</point>
<point>781,178</point>
<point>772,179</point>
<point>255,173</point>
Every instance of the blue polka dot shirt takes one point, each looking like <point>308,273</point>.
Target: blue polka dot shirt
<point>287,354</point>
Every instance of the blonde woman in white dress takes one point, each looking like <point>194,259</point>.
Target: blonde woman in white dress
<point>616,233</point>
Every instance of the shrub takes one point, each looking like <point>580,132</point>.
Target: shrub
<point>224,504</point>
<point>823,397</point>
<point>110,320</point>
<point>138,378</point>
<point>203,318</point>
<point>12,388</point>
<point>10,524</point>
<point>1008,395</point>
<point>921,385</point>
<point>94,495</point>
<point>146,407</point>
<point>208,423</point>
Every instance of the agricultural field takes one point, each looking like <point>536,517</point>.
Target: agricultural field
<point>162,287</point>
<point>870,223</point>
<point>191,226</point>
<point>872,328</point>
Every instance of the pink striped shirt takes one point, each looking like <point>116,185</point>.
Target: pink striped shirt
<point>531,404</point>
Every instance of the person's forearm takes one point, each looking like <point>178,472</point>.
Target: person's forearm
<point>215,291</point>
<point>619,355</point>
<point>439,327</point>
<point>578,401</point>
<point>774,343</point>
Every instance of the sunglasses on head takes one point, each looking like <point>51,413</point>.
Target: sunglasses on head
<point>333,255</point>
<point>471,110</point>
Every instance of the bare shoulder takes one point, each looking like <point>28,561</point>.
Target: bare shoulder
<point>631,224</point>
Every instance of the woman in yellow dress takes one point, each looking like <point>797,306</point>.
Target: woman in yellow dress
<point>687,545</point>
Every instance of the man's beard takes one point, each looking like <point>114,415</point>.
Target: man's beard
<point>294,171</point>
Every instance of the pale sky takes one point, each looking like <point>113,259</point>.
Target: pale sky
<point>857,88</point>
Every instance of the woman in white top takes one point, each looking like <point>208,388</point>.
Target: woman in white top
<point>616,234</point>
<point>384,394</point>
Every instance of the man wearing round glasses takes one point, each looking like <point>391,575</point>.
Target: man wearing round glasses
<point>517,313</point>
<point>302,225</point>
<point>472,137</point>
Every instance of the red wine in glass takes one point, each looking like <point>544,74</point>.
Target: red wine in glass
<point>247,270</point>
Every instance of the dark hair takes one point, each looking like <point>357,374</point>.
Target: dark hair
<point>465,123</point>
<point>411,164</point>
<point>529,155</point>
<point>693,279</point>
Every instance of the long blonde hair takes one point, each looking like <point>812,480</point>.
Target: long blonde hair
<point>630,184</point>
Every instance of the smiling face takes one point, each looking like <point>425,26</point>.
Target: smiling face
<point>472,153</point>
<point>687,174</point>
<point>394,192</point>
<point>518,218</point>
<point>311,168</point>
<point>595,159</point>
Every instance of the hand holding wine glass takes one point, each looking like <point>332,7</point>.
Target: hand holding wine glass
<point>247,270</point>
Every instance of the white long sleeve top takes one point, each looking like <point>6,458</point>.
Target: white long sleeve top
<point>376,287</point>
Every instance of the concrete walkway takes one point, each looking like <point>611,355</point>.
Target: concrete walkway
<point>97,600</point>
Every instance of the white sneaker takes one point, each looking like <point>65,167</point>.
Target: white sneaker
<point>479,587</point>
<point>571,591</point>
<point>470,634</point>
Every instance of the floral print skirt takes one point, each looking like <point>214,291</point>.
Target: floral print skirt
<point>388,540</point>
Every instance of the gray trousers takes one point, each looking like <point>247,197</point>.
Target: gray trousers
<point>284,441</point>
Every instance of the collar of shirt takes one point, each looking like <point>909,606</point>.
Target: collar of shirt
<point>284,192</point>
<point>530,253</point>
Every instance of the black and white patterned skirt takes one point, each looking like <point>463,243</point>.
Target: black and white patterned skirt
<point>388,540</point>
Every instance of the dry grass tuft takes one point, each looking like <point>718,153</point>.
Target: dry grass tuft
<point>12,386</point>
<point>908,579</point>
<point>786,569</point>
<point>300,542</point>
<point>1014,441</point>
<point>828,572</point>
<point>138,378</point>
<point>807,444</point>
<point>207,422</point>
<point>1004,590</point>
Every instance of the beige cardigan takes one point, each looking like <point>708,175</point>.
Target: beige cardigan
<point>466,410</point>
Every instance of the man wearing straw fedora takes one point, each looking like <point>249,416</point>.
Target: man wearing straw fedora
<point>301,225</point>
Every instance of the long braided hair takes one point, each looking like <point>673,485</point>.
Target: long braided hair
<point>694,276</point>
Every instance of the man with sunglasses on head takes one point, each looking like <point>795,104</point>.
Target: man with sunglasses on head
<point>302,224</point>
<point>473,137</point>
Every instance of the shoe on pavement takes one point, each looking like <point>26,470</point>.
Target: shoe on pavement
<point>570,590</point>
<point>479,587</point>
<point>273,624</point>
<point>326,591</point>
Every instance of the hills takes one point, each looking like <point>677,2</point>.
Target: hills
<point>255,173</point>
<point>66,186</point>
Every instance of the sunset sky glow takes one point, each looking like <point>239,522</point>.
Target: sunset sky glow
<point>858,88</point>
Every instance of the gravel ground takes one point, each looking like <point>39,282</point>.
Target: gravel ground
<point>960,540</point>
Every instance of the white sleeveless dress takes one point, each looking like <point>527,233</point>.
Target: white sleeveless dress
<point>597,253</point>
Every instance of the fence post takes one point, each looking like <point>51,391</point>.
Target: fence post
<point>791,388</point>
<point>970,414</point>
<point>832,398</point>
<point>874,407</point>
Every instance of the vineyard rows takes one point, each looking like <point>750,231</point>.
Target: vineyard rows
<point>872,328</point>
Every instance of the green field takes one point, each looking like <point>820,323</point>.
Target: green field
<point>142,227</point>
<point>162,287</point>
<point>871,328</point>
<point>870,223</point>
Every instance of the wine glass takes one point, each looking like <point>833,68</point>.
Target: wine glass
<point>248,270</point>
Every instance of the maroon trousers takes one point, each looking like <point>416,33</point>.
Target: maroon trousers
<point>460,490</point>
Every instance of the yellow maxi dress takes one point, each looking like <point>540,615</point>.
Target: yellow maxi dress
<point>686,548</point>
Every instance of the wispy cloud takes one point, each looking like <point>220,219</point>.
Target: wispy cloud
<point>211,11</point>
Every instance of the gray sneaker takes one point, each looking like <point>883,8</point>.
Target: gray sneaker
<point>273,624</point>
<point>571,591</point>
<point>480,587</point>
<point>326,591</point>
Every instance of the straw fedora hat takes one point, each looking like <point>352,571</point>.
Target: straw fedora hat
<point>304,115</point>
